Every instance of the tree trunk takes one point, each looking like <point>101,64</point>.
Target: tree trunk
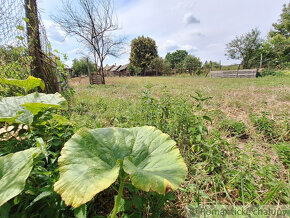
<point>102,72</point>
<point>33,37</point>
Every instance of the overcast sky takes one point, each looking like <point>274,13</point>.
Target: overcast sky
<point>202,27</point>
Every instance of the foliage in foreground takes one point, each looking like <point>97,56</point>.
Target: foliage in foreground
<point>32,137</point>
<point>32,134</point>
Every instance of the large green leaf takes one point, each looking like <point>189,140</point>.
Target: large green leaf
<point>14,170</point>
<point>90,162</point>
<point>21,109</point>
<point>28,84</point>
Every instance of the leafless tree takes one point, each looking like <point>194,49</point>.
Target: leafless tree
<point>93,22</point>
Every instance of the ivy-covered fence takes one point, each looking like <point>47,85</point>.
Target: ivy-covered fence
<point>24,47</point>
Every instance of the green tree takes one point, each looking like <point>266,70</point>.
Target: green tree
<point>157,64</point>
<point>276,50</point>
<point>176,57</point>
<point>245,48</point>
<point>134,70</point>
<point>80,67</point>
<point>167,68</point>
<point>282,27</point>
<point>192,64</point>
<point>179,68</point>
<point>143,51</point>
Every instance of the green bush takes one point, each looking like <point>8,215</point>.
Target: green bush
<point>269,72</point>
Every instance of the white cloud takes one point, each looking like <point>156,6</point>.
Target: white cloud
<point>54,31</point>
<point>172,45</point>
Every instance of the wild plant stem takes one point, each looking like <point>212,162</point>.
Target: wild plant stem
<point>117,202</point>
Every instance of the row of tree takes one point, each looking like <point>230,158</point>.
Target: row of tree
<point>144,58</point>
<point>251,49</point>
<point>272,52</point>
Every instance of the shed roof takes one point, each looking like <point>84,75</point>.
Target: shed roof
<point>108,67</point>
<point>123,67</point>
<point>115,68</point>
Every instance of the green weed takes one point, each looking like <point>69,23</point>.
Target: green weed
<point>234,128</point>
<point>283,152</point>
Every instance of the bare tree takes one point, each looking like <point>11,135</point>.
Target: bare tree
<point>93,22</point>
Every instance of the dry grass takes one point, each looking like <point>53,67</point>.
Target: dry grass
<point>232,98</point>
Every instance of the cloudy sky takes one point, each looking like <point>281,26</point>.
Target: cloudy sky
<point>202,27</point>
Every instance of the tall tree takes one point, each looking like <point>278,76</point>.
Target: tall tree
<point>192,64</point>
<point>93,22</point>
<point>245,48</point>
<point>143,51</point>
<point>276,50</point>
<point>282,27</point>
<point>176,58</point>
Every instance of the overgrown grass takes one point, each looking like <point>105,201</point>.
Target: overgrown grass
<point>236,145</point>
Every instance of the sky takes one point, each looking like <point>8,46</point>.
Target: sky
<point>201,27</point>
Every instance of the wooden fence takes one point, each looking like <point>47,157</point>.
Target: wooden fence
<point>249,73</point>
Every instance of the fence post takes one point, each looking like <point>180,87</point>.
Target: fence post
<point>261,61</point>
<point>89,71</point>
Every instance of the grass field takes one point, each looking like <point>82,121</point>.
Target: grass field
<point>239,157</point>
<point>236,98</point>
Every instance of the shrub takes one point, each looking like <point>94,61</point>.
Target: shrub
<point>269,72</point>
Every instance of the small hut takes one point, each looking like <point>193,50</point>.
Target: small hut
<point>123,70</point>
<point>114,70</point>
<point>107,70</point>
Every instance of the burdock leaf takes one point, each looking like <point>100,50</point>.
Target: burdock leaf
<point>91,160</point>
<point>21,109</point>
<point>14,170</point>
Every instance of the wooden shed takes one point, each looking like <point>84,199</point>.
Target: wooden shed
<point>107,70</point>
<point>248,73</point>
<point>123,70</point>
<point>114,70</point>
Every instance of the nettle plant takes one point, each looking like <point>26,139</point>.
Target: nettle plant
<point>15,167</point>
<point>92,160</point>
